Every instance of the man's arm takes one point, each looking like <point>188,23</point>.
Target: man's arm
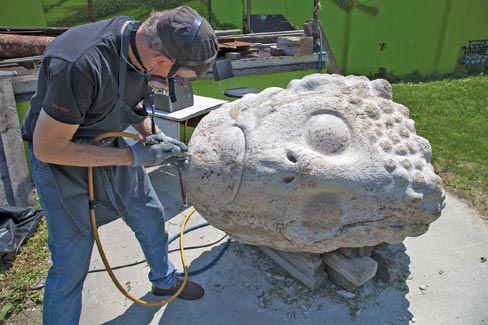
<point>144,128</point>
<point>52,144</point>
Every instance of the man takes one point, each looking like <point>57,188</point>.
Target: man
<point>91,80</point>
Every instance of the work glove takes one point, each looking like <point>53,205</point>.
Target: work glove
<point>152,155</point>
<point>163,138</point>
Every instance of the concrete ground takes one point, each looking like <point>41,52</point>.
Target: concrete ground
<point>445,279</point>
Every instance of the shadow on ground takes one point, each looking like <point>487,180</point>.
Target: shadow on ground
<point>246,287</point>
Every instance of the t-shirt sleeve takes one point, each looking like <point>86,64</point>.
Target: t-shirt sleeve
<point>69,92</point>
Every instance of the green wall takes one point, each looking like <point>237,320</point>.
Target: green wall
<point>401,36</point>
<point>416,35</point>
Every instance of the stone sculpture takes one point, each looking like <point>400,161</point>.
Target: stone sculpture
<point>329,162</point>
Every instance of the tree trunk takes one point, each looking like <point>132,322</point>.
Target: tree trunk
<point>16,46</point>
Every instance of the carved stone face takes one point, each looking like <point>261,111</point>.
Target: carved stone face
<point>329,162</point>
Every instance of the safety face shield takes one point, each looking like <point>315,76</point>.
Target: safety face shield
<point>163,84</point>
<point>166,86</point>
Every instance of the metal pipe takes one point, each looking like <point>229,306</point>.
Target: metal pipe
<point>318,32</point>
<point>315,18</point>
<point>248,27</point>
<point>210,13</point>
<point>182,186</point>
<point>8,73</point>
<point>91,10</point>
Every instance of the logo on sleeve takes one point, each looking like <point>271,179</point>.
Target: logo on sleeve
<point>60,108</point>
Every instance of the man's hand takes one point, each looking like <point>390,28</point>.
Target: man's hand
<point>152,155</point>
<point>163,138</point>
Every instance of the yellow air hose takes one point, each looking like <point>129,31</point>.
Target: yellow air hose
<point>91,194</point>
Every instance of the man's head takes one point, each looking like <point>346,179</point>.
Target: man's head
<point>183,36</point>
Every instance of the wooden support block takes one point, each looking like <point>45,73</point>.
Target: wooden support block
<point>389,269</point>
<point>356,270</point>
<point>305,267</point>
<point>349,251</point>
<point>25,84</point>
<point>338,279</point>
<point>365,251</point>
<point>275,51</point>
<point>15,182</point>
<point>356,251</point>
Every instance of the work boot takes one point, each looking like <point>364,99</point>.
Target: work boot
<point>192,290</point>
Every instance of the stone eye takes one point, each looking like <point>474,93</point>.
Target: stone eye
<point>328,134</point>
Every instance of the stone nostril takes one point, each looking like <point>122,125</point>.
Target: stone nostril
<point>291,157</point>
<point>288,179</point>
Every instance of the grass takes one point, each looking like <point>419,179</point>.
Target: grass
<point>453,116</point>
<point>20,285</point>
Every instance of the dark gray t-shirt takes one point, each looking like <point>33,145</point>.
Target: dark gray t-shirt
<point>78,77</point>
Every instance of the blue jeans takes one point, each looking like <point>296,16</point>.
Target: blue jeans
<point>71,249</point>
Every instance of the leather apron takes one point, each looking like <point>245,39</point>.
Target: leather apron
<point>116,187</point>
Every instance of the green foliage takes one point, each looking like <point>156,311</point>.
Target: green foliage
<point>348,5</point>
<point>374,11</point>
<point>75,12</point>
<point>416,76</point>
<point>453,115</point>
<point>79,14</point>
<point>53,5</point>
<point>5,310</point>
<point>345,4</point>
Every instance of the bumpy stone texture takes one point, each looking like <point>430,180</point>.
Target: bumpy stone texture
<point>329,162</point>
